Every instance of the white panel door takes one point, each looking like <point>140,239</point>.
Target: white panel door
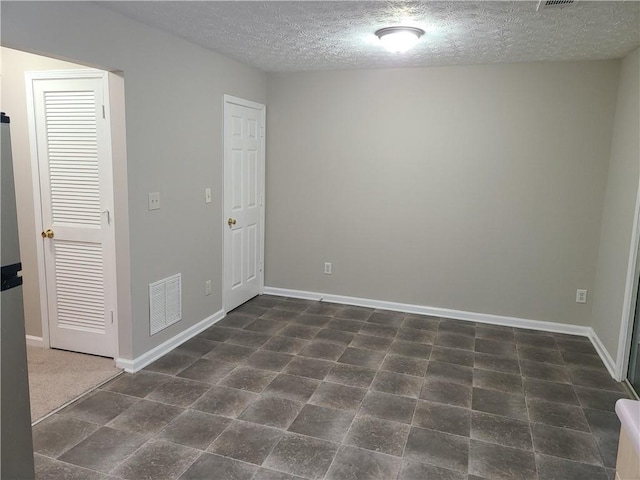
<point>72,142</point>
<point>243,200</point>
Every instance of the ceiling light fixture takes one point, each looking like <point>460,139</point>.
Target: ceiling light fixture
<point>399,39</point>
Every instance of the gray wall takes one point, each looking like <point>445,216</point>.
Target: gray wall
<point>619,208</point>
<point>13,102</point>
<point>472,188</point>
<point>174,93</point>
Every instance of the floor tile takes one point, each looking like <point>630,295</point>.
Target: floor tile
<point>292,387</point>
<point>378,435</point>
<point>58,433</point>
<point>407,365</point>
<point>608,448</point>
<point>311,320</point>
<point>236,319</point>
<point>322,309</point>
<point>457,327</point>
<point>251,379</point>
<point>501,334</point>
<point>587,377</point>
<point>251,309</point>
<point>378,330</point>
<point>264,325</point>
<point>564,443</point>
<point>266,474</point>
<point>299,331</point>
<point>443,418</point>
<point>496,347</point>
<point>304,456</point>
<point>194,429</point>
<point>544,355</point>
<point>549,391</point>
<point>103,449</point>
<point>309,367</point>
<point>196,347</point>
<point>272,412</point>
<point>398,384</point>
<point>342,397</point>
<point>207,371</point>
<point>356,464</point>
<point>229,402</point>
<point>100,407</point>
<point>452,355</point>
<point>578,346</point>
<point>279,315</point>
<point>421,322</point>
<point>145,417</point>
<point>451,340</point>
<point>216,333</point>
<point>179,392</point>
<point>496,462</point>
<point>446,392</point>
<point>225,467</point>
<point>603,423</point>
<point>388,407</point>
<point>139,384</point>
<point>491,380</point>
<point>371,342</point>
<point>361,358</point>
<point>557,414</point>
<point>345,325</point>
<point>321,422</point>
<point>157,459</point>
<point>499,403</point>
<point>267,360</point>
<point>583,360</point>
<point>496,363</point>
<point>413,470</point>
<point>322,350</point>
<point>500,430</point>
<point>416,335</point>
<point>392,319</point>
<point>598,399</point>
<point>450,373</point>
<point>534,340</point>
<point>247,442</point>
<point>411,349</point>
<point>438,448</point>
<point>545,371</point>
<point>285,344</point>
<point>334,336</point>
<point>292,305</point>
<point>248,339</point>
<point>229,353</point>
<point>553,468</point>
<point>354,313</point>
<point>50,469</point>
<point>171,363</point>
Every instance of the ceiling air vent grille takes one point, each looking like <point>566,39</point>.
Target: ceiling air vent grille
<point>555,4</point>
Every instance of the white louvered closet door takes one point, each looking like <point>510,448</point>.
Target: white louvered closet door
<point>73,146</point>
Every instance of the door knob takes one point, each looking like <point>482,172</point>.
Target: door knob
<point>48,233</point>
<point>231,222</point>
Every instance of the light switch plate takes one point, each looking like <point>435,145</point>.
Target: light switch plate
<point>154,201</point>
<point>207,195</point>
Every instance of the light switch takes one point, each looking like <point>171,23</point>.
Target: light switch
<point>154,201</point>
<point>207,195</point>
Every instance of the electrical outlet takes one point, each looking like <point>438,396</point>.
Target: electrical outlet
<point>581,296</point>
<point>207,195</point>
<point>327,268</point>
<point>154,201</point>
<point>207,287</point>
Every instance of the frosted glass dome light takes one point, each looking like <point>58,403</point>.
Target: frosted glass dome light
<point>399,39</point>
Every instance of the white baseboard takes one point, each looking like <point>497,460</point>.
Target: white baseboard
<point>603,353</point>
<point>33,341</point>
<point>138,363</point>
<point>436,312</point>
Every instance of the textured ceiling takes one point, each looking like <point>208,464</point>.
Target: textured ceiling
<point>310,35</point>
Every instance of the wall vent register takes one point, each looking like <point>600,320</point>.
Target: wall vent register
<point>165,303</point>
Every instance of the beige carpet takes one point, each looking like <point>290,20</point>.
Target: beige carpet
<point>57,376</point>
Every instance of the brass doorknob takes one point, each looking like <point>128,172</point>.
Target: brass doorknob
<point>231,221</point>
<point>48,233</point>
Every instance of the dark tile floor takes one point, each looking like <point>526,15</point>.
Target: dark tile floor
<point>287,389</point>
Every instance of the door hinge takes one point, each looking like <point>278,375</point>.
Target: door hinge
<point>260,266</point>
<point>104,115</point>
<point>261,131</point>
<point>261,200</point>
<point>111,317</point>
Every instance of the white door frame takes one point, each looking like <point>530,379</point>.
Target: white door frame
<point>231,100</point>
<point>110,244</point>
